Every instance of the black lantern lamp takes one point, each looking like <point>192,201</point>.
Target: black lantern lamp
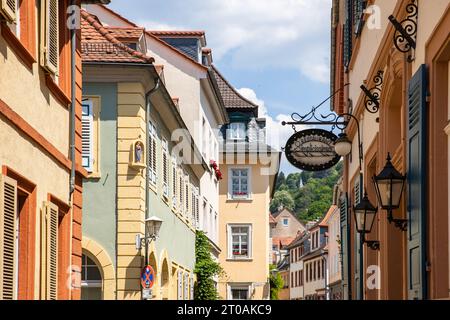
<point>389,185</point>
<point>365,214</point>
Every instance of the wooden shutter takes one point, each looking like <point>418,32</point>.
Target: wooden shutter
<point>358,15</point>
<point>165,168</point>
<point>357,196</point>
<point>180,285</point>
<point>197,209</point>
<point>87,132</point>
<point>417,189</point>
<point>186,286</point>
<point>345,245</point>
<point>191,288</point>
<point>8,238</point>
<point>348,36</point>
<point>174,183</point>
<point>8,9</point>
<point>152,154</point>
<point>50,35</point>
<point>49,254</point>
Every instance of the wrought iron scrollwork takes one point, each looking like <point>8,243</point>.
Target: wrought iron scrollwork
<point>372,101</point>
<point>336,121</point>
<point>406,30</point>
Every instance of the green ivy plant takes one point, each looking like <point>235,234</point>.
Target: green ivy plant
<point>205,269</point>
<point>276,283</point>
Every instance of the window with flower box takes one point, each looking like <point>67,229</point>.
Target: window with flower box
<point>239,242</point>
<point>240,183</point>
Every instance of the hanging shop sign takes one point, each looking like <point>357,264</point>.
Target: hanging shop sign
<point>312,150</point>
<point>147,277</point>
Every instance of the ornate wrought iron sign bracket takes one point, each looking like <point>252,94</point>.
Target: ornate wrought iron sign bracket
<point>372,101</point>
<point>406,30</point>
<point>332,119</point>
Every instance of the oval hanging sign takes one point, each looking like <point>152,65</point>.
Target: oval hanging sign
<point>312,150</point>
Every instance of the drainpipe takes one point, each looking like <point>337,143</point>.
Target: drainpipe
<point>72,109</point>
<point>147,176</point>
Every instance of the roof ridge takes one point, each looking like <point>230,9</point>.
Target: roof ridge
<point>91,19</point>
<point>154,37</point>
<point>232,88</point>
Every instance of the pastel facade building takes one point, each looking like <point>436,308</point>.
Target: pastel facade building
<point>189,80</point>
<point>249,171</point>
<point>411,125</point>
<point>134,171</point>
<point>41,193</point>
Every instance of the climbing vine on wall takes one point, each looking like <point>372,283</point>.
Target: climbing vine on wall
<point>205,269</point>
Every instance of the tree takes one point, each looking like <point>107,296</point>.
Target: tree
<point>281,180</point>
<point>206,269</point>
<point>276,283</point>
<point>282,199</point>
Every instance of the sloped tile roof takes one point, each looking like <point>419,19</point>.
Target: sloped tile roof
<point>178,33</point>
<point>98,44</point>
<point>231,98</point>
<point>126,32</point>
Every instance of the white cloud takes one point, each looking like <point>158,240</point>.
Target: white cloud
<point>254,34</point>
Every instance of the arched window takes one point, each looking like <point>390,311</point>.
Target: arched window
<point>91,280</point>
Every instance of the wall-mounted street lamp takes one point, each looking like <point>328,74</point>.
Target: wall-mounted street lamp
<point>365,214</point>
<point>343,146</point>
<point>152,227</point>
<point>389,185</point>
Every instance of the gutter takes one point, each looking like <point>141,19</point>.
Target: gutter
<point>73,45</point>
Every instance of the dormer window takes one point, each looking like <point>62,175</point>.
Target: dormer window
<point>132,45</point>
<point>236,131</point>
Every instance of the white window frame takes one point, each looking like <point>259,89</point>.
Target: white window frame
<point>234,130</point>
<point>286,224</point>
<point>88,117</point>
<point>230,184</point>
<point>231,287</point>
<point>230,241</point>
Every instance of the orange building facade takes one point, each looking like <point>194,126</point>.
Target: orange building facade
<point>412,125</point>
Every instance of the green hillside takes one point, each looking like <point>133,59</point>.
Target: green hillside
<point>308,194</point>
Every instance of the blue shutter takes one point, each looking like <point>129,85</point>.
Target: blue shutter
<point>345,247</point>
<point>417,190</point>
<point>348,36</point>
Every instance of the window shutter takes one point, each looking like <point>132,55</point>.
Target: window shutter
<point>87,131</point>
<point>49,256</point>
<point>174,183</point>
<point>152,153</point>
<point>417,190</point>
<point>186,200</point>
<point>191,282</point>
<point>8,9</point>
<point>165,167</point>
<point>345,244</point>
<point>8,234</point>
<point>180,285</point>
<point>50,35</point>
<point>359,7</point>
<point>186,286</point>
<point>348,36</point>
<point>181,186</point>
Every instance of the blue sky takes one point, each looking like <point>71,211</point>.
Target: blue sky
<point>275,52</point>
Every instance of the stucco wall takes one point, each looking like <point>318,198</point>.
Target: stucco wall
<point>253,212</point>
<point>99,212</point>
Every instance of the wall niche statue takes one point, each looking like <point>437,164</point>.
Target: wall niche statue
<point>138,155</point>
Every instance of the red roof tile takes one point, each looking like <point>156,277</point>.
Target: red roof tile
<point>177,33</point>
<point>98,44</point>
<point>284,241</point>
<point>231,98</point>
<point>126,32</point>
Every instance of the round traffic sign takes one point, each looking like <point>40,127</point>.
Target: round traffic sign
<point>148,277</point>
